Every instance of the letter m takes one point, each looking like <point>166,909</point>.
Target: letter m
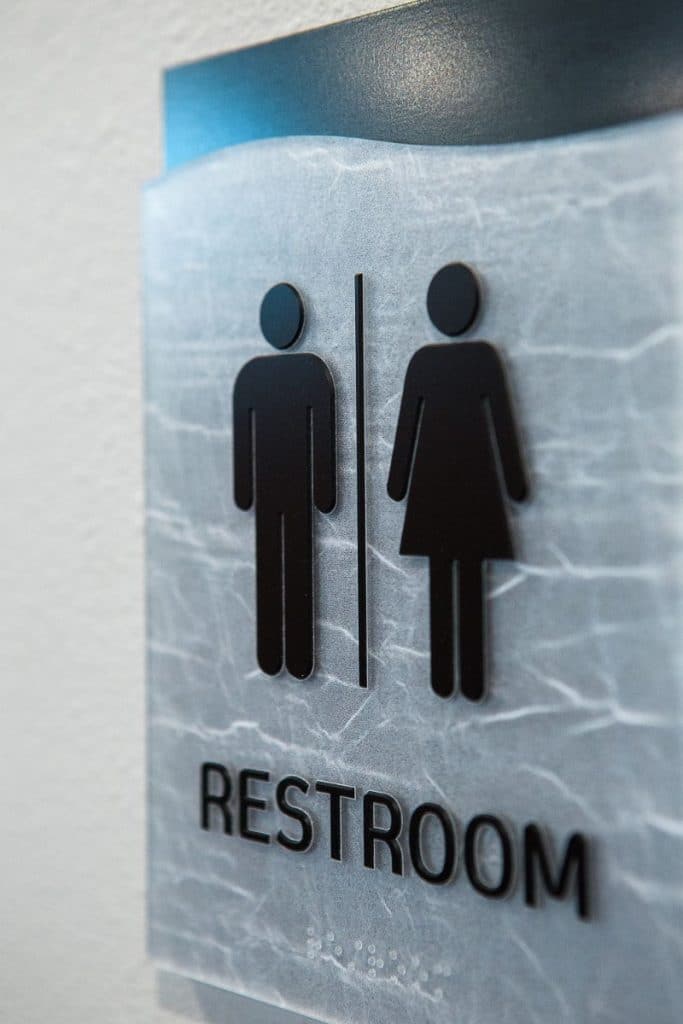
<point>538,865</point>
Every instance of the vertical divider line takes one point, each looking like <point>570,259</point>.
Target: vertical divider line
<point>360,487</point>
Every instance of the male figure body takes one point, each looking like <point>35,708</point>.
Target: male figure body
<point>284,461</point>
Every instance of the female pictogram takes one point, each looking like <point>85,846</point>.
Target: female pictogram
<point>284,462</point>
<point>456,451</point>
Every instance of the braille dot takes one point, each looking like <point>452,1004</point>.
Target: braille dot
<point>380,963</point>
<point>358,944</point>
<point>401,969</point>
<point>371,972</point>
<point>330,936</point>
<point>371,961</point>
<point>393,955</point>
<point>371,948</point>
<point>337,950</point>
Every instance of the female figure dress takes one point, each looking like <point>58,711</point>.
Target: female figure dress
<point>456,450</point>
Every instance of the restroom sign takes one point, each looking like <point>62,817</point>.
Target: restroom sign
<point>410,358</point>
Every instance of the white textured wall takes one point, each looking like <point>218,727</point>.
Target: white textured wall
<point>79,134</point>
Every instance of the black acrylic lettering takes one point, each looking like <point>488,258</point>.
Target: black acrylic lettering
<point>284,462</point>
<point>415,842</point>
<point>248,802</point>
<point>455,414</point>
<point>373,833</point>
<point>336,795</point>
<point>472,835</point>
<point>219,800</point>
<point>574,864</point>
<point>305,841</point>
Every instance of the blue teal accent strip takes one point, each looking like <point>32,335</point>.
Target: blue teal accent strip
<point>440,72</point>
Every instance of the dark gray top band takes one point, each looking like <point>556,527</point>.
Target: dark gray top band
<point>440,72</point>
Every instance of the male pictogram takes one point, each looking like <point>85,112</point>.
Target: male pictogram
<point>456,452</point>
<point>284,462</point>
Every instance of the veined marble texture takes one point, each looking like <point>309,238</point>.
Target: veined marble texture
<point>578,244</point>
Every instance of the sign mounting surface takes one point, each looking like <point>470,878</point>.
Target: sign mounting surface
<point>327,832</point>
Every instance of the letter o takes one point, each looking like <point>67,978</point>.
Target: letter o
<point>475,827</point>
<point>415,842</point>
